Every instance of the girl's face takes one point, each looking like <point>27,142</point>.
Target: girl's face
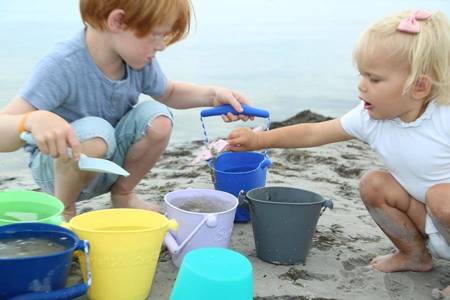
<point>381,88</point>
<point>136,51</point>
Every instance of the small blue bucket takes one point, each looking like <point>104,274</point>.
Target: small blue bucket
<point>41,277</point>
<point>233,172</point>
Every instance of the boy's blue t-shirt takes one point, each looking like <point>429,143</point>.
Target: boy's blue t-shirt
<point>68,83</point>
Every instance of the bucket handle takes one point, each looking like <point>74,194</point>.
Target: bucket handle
<point>226,108</point>
<point>328,203</point>
<point>266,163</point>
<point>243,200</point>
<point>66,293</point>
<point>172,244</point>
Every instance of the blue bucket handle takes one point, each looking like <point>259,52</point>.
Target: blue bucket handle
<point>226,108</point>
<point>66,293</point>
<point>266,163</point>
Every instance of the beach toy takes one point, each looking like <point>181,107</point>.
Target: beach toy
<point>86,163</point>
<point>125,246</point>
<point>42,276</point>
<point>27,206</point>
<point>284,220</point>
<point>233,172</point>
<point>205,219</point>
<point>214,274</point>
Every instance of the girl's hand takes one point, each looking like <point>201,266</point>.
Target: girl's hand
<point>243,139</point>
<point>53,135</point>
<point>227,96</point>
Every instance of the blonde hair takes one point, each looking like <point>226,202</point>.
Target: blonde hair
<point>141,16</point>
<point>425,53</point>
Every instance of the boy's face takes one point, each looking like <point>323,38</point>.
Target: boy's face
<point>137,52</point>
<point>381,88</point>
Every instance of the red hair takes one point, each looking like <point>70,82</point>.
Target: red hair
<point>141,16</point>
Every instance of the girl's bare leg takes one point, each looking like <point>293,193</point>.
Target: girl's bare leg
<point>401,218</point>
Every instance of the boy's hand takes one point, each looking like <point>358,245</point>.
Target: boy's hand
<point>53,135</point>
<point>227,96</point>
<point>243,139</point>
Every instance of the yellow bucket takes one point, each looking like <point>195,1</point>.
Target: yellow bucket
<point>124,250</point>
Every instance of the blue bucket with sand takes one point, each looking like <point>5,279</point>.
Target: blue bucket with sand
<point>233,172</point>
<point>35,260</point>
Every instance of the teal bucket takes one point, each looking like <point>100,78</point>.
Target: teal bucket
<point>214,273</point>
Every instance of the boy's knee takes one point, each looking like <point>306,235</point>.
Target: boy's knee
<point>159,129</point>
<point>438,201</point>
<point>96,135</point>
<point>371,186</point>
<point>95,147</point>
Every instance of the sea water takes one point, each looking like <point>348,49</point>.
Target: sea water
<point>286,56</point>
<point>28,247</point>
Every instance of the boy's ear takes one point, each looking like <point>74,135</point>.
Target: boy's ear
<point>422,87</point>
<point>115,20</point>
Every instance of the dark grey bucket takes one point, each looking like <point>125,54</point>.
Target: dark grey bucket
<point>284,220</point>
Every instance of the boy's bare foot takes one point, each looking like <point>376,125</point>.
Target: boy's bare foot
<point>399,261</point>
<point>131,200</point>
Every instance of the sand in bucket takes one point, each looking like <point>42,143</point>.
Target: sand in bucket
<point>30,246</point>
<point>202,205</point>
<point>35,259</point>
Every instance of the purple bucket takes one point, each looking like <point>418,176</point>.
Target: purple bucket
<point>210,227</point>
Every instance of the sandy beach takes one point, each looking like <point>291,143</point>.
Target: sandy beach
<point>345,241</point>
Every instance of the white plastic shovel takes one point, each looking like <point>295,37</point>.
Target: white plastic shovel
<point>87,163</point>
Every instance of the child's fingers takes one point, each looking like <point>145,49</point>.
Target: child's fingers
<point>52,147</point>
<point>74,143</point>
<point>240,98</point>
<point>234,102</point>
<point>62,148</point>
<point>42,145</point>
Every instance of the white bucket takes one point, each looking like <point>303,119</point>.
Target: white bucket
<point>210,227</point>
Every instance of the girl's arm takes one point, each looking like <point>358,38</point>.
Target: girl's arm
<point>295,136</point>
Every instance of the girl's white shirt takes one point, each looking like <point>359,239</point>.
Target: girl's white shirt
<point>417,154</point>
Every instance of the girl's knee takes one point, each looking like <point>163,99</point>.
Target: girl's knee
<point>159,129</point>
<point>371,186</point>
<point>438,201</point>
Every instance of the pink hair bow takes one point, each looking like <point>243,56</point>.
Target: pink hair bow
<point>411,24</point>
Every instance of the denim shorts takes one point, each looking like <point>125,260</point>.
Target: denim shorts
<point>130,129</point>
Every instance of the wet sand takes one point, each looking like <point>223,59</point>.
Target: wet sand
<point>346,237</point>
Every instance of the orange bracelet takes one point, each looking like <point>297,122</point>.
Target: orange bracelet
<point>21,126</point>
